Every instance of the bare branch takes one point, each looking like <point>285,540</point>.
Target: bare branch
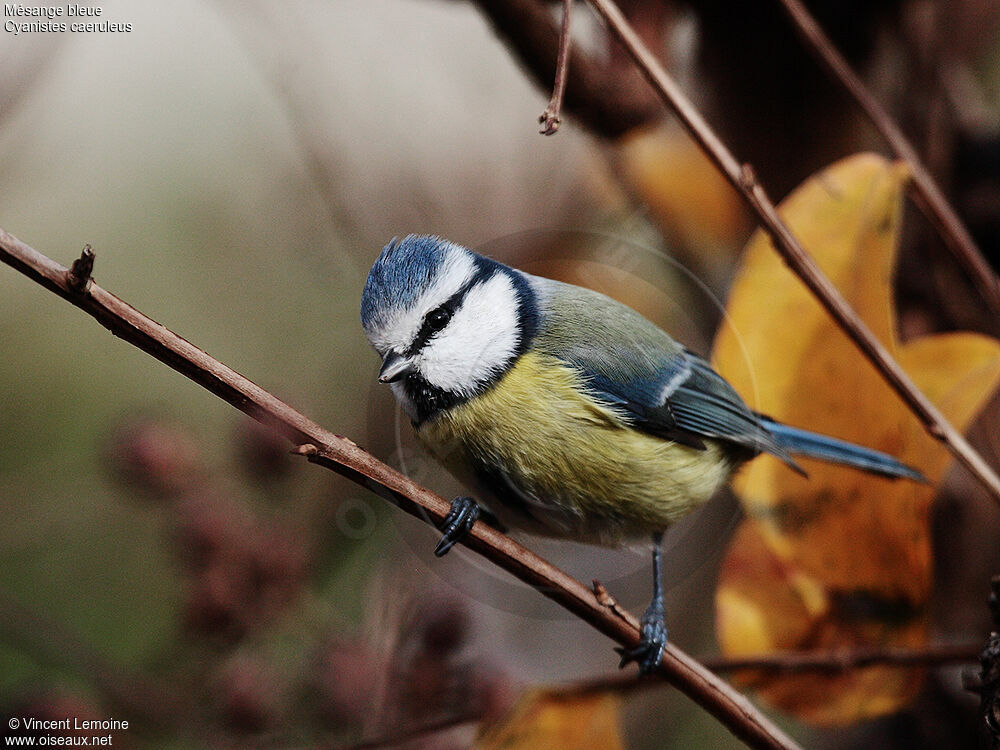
<point>551,117</point>
<point>344,457</point>
<point>610,99</point>
<point>843,660</point>
<point>926,193</point>
<point>742,177</point>
<point>797,662</point>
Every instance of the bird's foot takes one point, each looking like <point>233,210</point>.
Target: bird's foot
<point>457,524</point>
<point>652,644</point>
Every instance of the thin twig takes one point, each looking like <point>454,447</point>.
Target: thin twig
<point>795,662</point>
<point>742,177</point>
<point>843,660</point>
<point>609,98</point>
<point>926,193</point>
<point>552,116</point>
<point>344,457</point>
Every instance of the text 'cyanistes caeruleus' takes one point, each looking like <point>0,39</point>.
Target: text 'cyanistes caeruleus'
<point>569,413</point>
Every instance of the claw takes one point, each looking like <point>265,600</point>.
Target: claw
<point>649,652</point>
<point>457,524</point>
<point>653,628</point>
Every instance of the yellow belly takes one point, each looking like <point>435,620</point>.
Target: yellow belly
<point>580,470</point>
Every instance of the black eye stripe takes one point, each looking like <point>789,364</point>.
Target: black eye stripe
<point>427,329</point>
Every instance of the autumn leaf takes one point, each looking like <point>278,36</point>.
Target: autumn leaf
<point>688,198</point>
<point>841,558</point>
<point>557,721</point>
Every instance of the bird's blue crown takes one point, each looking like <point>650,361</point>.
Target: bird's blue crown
<point>403,270</point>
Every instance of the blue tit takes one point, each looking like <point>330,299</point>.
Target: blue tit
<point>568,413</point>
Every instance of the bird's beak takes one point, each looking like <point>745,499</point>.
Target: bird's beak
<point>394,366</point>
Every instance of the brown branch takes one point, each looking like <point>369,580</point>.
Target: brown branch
<point>344,457</point>
<point>796,662</point>
<point>610,99</point>
<point>926,193</point>
<point>551,117</point>
<point>843,660</point>
<point>742,177</point>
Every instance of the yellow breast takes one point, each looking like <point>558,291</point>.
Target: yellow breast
<point>580,468</point>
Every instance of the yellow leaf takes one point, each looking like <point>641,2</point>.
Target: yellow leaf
<point>688,198</point>
<point>853,549</point>
<point>546,719</point>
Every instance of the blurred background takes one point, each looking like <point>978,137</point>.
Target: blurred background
<point>236,168</point>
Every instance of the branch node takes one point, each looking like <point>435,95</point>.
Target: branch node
<point>550,121</point>
<point>606,600</point>
<point>306,449</point>
<point>938,431</point>
<point>78,277</point>
<point>748,177</point>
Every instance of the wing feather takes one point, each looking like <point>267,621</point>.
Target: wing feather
<point>630,363</point>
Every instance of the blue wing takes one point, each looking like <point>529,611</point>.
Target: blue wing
<point>666,390</point>
<point>685,400</point>
<point>630,363</point>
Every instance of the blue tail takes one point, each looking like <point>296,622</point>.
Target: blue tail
<point>809,444</point>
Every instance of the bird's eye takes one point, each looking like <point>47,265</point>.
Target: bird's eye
<point>438,318</point>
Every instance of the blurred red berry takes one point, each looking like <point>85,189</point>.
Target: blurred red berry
<point>262,451</point>
<point>154,455</point>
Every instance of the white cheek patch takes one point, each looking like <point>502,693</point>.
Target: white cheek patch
<point>401,328</point>
<point>478,341</point>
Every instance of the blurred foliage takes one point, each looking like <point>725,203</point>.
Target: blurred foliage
<point>838,560</point>
<point>236,167</point>
<point>545,719</point>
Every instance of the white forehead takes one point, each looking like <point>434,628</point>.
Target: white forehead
<point>402,324</point>
<point>478,342</point>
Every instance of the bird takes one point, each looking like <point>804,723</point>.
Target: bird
<point>567,413</point>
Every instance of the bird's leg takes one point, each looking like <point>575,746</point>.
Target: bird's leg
<point>460,519</point>
<point>653,627</point>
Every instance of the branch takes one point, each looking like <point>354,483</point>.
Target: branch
<point>551,118</point>
<point>742,177</point>
<point>796,662</point>
<point>611,100</point>
<point>843,660</point>
<point>926,193</point>
<point>344,457</point>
